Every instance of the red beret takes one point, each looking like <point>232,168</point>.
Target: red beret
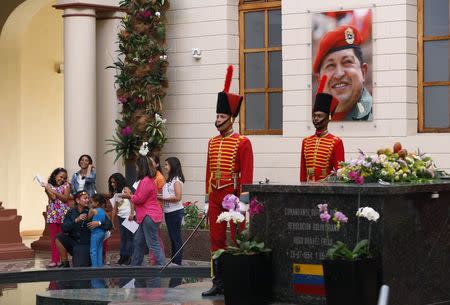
<point>342,37</point>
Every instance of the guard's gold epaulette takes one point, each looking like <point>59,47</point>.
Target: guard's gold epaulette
<point>335,137</point>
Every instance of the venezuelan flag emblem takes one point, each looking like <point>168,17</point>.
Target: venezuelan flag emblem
<point>308,279</point>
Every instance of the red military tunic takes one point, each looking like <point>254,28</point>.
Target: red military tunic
<point>320,155</point>
<point>228,167</point>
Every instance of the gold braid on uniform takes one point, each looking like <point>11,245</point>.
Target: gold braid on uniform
<point>317,152</point>
<point>222,156</point>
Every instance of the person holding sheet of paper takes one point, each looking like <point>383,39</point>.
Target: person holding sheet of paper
<point>160,181</point>
<point>58,193</point>
<point>121,208</point>
<point>148,210</point>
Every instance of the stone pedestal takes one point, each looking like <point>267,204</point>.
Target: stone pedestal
<point>11,246</point>
<point>411,237</point>
<point>43,243</point>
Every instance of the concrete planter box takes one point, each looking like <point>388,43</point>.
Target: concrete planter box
<point>196,249</point>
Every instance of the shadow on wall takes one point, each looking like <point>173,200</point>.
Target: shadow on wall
<point>31,129</point>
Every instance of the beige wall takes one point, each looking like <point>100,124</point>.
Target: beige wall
<point>32,106</point>
<point>212,26</point>
<point>193,85</point>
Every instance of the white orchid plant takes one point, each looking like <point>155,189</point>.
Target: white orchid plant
<point>340,250</point>
<point>235,213</point>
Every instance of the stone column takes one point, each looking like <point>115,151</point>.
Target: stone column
<point>79,85</point>
<point>108,25</point>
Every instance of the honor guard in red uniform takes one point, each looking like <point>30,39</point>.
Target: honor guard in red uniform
<point>229,165</point>
<point>321,152</point>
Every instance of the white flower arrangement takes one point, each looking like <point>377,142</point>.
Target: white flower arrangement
<point>159,118</point>
<point>369,213</point>
<point>388,166</point>
<point>143,150</point>
<point>234,216</point>
<point>236,210</point>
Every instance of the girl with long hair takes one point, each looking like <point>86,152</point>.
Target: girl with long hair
<point>84,179</point>
<point>121,208</point>
<point>148,212</point>
<point>173,206</point>
<point>58,193</point>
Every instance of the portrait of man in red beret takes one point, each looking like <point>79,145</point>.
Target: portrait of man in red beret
<point>342,51</point>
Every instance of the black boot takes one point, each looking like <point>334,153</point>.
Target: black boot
<point>217,288</point>
<point>120,261</point>
<point>64,264</point>
<point>126,260</point>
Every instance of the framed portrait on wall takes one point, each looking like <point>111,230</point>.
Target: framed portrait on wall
<point>342,51</point>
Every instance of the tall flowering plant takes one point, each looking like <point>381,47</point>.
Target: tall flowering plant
<point>235,213</point>
<point>388,166</point>
<point>141,77</point>
<point>340,250</point>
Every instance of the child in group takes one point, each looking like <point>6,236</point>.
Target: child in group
<point>97,213</point>
<point>173,206</point>
<point>121,208</point>
<point>58,193</point>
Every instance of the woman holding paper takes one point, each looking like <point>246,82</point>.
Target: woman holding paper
<point>148,210</point>
<point>160,181</point>
<point>58,193</point>
<point>121,208</point>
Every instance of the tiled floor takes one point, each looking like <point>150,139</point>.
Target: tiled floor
<point>43,258</point>
<point>24,294</point>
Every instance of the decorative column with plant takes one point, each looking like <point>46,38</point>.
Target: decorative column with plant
<point>141,79</point>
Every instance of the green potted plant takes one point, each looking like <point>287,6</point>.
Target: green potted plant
<point>353,275</point>
<point>246,265</point>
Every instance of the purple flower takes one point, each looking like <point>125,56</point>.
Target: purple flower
<point>122,99</point>
<point>354,175</point>
<point>323,207</point>
<point>230,203</point>
<point>359,180</point>
<point>255,207</point>
<point>402,162</point>
<point>340,217</point>
<point>138,100</point>
<point>145,14</point>
<point>325,217</point>
<point>126,131</point>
